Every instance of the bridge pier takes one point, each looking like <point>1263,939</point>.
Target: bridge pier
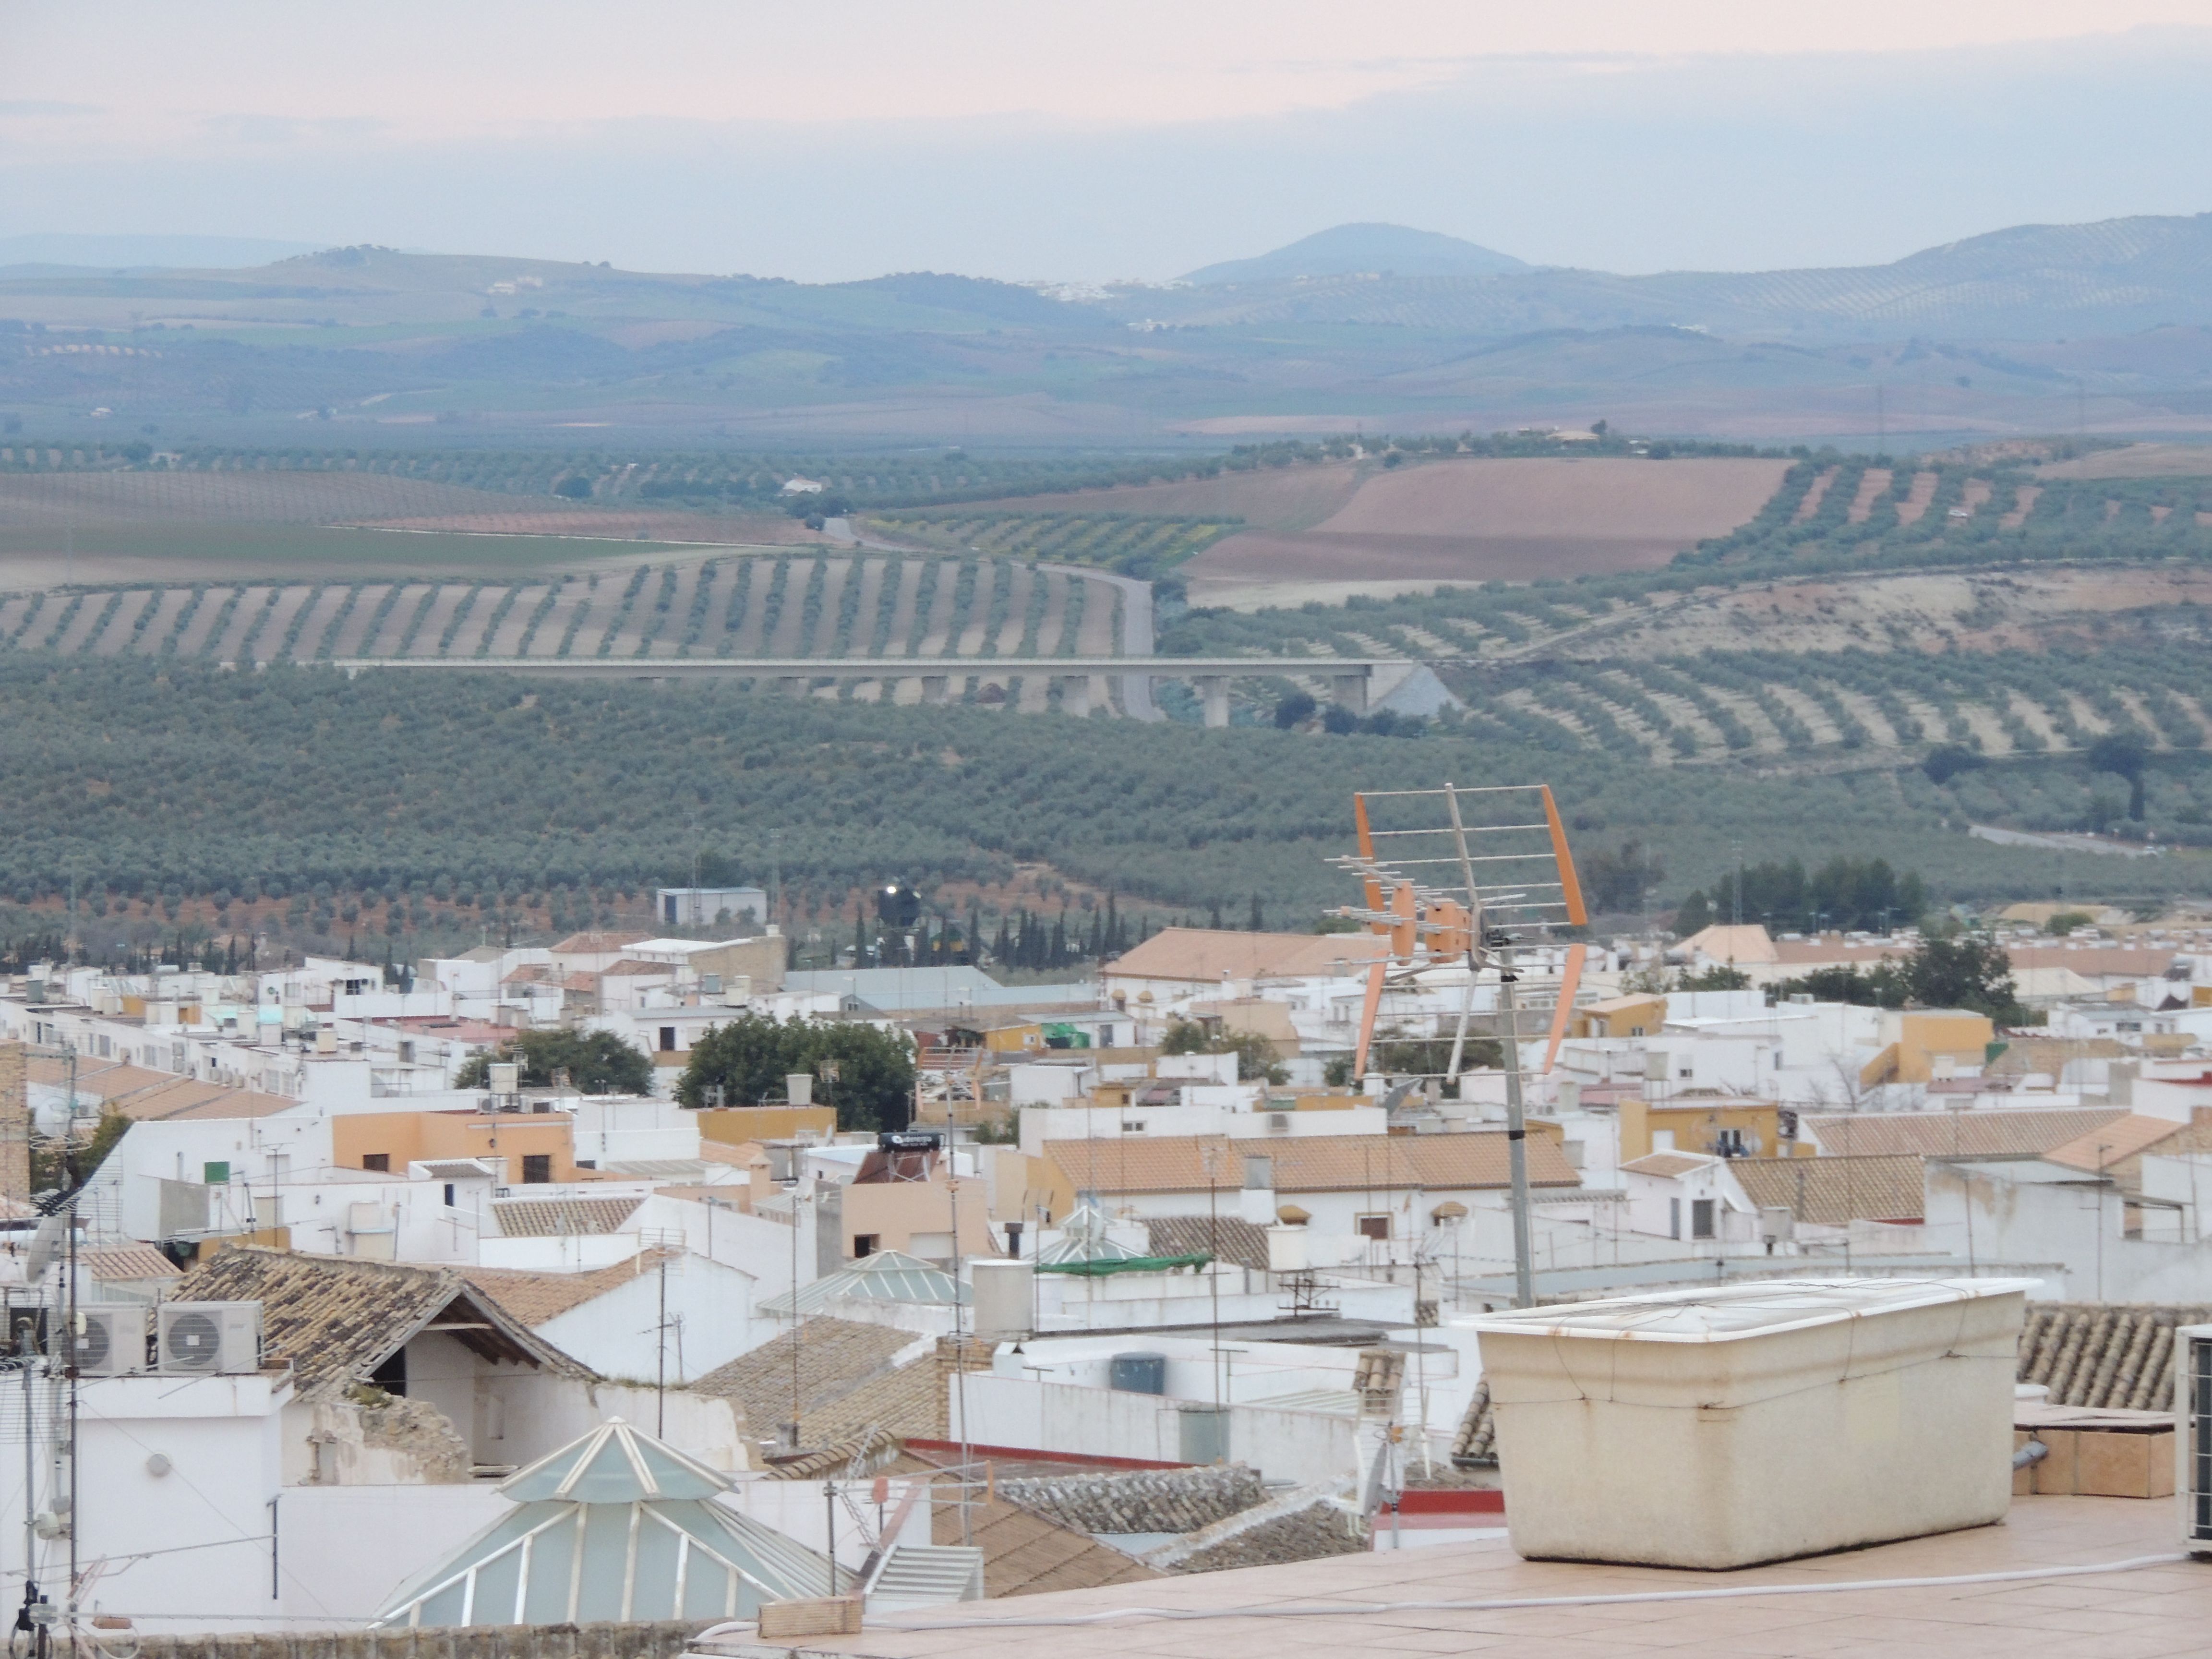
<point>1075,696</point>
<point>1213,693</point>
<point>933,688</point>
<point>1349,691</point>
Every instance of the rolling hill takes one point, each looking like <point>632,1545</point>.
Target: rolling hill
<point>2088,328</point>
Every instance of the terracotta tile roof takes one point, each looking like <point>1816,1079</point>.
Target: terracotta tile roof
<point>2103,1354</point>
<point>1320,1529</point>
<point>591,943</point>
<point>336,1319</point>
<point>562,1218</point>
<point>179,1098</point>
<point>2126,1137</point>
<point>1141,1500</point>
<point>835,1356</point>
<point>1476,1443</point>
<point>1976,1132</point>
<point>1667,1164</point>
<point>146,1096</point>
<point>1230,1239</point>
<point>96,1077</point>
<point>1203,955</point>
<point>117,1262</point>
<point>1834,1191</point>
<point>913,1401</point>
<point>1749,942</point>
<point>2049,1055</point>
<point>633,967</point>
<point>1026,1553</point>
<point>1305,1164</point>
<point>535,1297</point>
<point>2116,960</point>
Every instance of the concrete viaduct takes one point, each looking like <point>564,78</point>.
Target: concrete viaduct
<point>1083,679</point>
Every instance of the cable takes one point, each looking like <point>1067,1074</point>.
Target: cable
<point>1370,1609</point>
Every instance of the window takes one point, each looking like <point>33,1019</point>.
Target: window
<point>537,1169</point>
<point>449,1195</point>
<point>1673,1217</point>
<point>1701,1217</point>
<point>380,1162</point>
<point>1635,1030</point>
<point>668,1039</point>
<point>406,1054</point>
<point>1374,1226</point>
<point>867,1244</point>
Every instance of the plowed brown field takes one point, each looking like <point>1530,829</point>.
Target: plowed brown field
<point>1512,520</point>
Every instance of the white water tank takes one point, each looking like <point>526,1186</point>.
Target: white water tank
<point>1003,1298</point>
<point>1748,1423</point>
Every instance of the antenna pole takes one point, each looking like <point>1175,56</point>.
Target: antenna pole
<point>1474,931</point>
<point>1517,1132</point>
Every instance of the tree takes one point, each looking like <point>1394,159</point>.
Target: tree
<point>1693,915</point>
<point>1295,708</point>
<point>597,1062</point>
<point>1339,719</point>
<point>748,1059</point>
<point>1721,977</point>
<point>2123,755</point>
<point>1255,1056</point>
<point>1966,970</point>
<point>575,488</point>
<point>1617,882</point>
<point>1946,761</point>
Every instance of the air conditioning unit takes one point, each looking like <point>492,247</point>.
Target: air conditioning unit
<point>1278,1123</point>
<point>2192,1445</point>
<point>207,1339</point>
<point>109,1342</point>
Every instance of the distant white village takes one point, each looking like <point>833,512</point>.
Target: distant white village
<point>1185,1266</point>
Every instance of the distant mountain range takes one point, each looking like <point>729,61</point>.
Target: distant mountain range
<point>2040,328</point>
<point>2032,282</point>
<point>1346,249</point>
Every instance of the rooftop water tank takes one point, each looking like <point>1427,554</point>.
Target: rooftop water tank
<point>1139,1373</point>
<point>1748,1423</point>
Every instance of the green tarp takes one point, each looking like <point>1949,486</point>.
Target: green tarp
<point>1130,1264</point>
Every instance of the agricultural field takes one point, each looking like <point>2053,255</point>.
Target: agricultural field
<point>1477,520</point>
<point>799,604</point>
<point>1143,546</point>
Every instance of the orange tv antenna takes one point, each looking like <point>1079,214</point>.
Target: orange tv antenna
<point>1475,875</point>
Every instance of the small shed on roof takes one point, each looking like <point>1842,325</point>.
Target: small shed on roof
<point>615,1527</point>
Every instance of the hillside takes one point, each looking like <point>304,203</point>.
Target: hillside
<point>1375,328</point>
<point>1344,249</point>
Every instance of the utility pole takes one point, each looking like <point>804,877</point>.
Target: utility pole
<point>1499,944</point>
<point>660,1381</point>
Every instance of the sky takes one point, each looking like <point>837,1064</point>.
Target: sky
<point>842,138</point>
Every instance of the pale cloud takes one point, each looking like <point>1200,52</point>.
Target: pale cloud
<point>1036,150</point>
<point>429,70</point>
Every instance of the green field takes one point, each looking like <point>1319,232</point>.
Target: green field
<point>42,558</point>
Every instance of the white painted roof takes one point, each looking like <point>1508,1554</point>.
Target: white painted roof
<point>1728,1313</point>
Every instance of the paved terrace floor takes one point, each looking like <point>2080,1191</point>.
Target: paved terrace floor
<point>2142,1613</point>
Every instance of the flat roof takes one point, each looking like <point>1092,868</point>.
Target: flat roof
<point>1725,1312</point>
<point>1385,1602</point>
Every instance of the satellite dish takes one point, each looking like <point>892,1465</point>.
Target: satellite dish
<point>47,1243</point>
